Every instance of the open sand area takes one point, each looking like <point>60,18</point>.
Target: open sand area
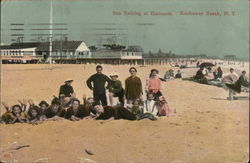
<point>207,128</point>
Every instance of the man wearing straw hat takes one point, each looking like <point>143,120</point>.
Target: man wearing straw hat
<point>66,90</point>
<point>115,89</point>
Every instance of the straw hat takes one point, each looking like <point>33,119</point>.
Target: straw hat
<point>114,74</point>
<point>69,80</point>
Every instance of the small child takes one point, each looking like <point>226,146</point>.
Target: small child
<point>149,105</point>
<point>164,109</point>
<point>136,108</point>
<point>149,108</point>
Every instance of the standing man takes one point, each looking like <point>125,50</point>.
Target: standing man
<point>66,90</point>
<point>99,80</point>
<point>133,87</point>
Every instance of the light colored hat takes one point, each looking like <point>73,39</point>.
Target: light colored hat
<point>113,74</point>
<point>69,80</point>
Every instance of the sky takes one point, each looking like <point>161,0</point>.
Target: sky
<point>94,22</point>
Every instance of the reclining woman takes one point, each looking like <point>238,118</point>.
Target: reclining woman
<point>236,87</point>
<point>14,115</point>
<point>100,112</point>
<point>34,116</point>
<point>55,111</point>
<point>76,112</point>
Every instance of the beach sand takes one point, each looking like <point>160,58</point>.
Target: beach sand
<point>207,128</point>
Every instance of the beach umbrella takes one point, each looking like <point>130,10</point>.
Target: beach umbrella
<point>206,64</point>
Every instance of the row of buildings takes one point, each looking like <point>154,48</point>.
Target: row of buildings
<point>66,52</point>
<point>78,52</point>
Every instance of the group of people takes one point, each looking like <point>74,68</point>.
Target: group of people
<point>67,106</point>
<point>171,75</point>
<point>230,81</point>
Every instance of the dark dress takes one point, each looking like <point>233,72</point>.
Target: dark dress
<point>117,113</point>
<point>81,112</point>
<point>66,90</point>
<point>237,85</point>
<point>133,88</point>
<point>49,114</point>
<point>99,90</point>
<point>199,74</point>
<point>178,75</point>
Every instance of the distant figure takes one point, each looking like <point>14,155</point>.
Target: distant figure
<point>236,87</point>
<point>230,77</point>
<point>169,74</point>
<point>99,81</point>
<point>66,90</point>
<point>133,87</point>
<point>199,74</point>
<point>178,74</point>
<point>218,73</point>
<point>154,84</point>
<point>198,64</point>
<point>115,89</point>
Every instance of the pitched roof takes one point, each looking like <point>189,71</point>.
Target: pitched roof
<point>20,45</point>
<point>59,45</point>
<point>44,46</point>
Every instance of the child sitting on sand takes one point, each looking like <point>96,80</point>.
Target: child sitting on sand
<point>163,108</point>
<point>150,109</point>
<point>136,108</point>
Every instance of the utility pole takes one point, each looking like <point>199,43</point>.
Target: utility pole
<point>50,27</point>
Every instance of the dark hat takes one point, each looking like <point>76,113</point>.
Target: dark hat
<point>55,101</point>
<point>43,103</point>
<point>68,80</point>
<point>96,103</point>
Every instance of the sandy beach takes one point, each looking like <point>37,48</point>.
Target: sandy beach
<point>207,128</point>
